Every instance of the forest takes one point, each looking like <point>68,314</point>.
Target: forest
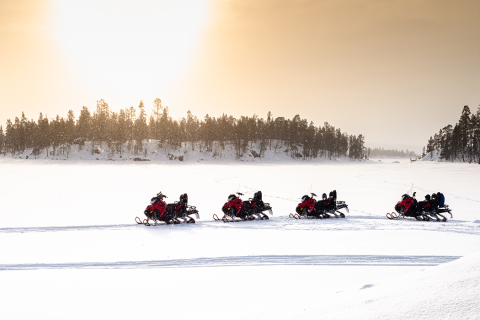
<point>129,128</point>
<point>460,142</point>
<point>381,152</point>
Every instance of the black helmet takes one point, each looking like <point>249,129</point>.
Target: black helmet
<point>232,197</point>
<point>427,197</point>
<point>434,195</point>
<point>258,195</point>
<point>324,196</point>
<point>305,197</point>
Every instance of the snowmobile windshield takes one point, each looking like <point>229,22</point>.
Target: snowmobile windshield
<point>409,191</point>
<point>231,197</point>
<point>153,200</point>
<point>404,196</point>
<point>304,198</point>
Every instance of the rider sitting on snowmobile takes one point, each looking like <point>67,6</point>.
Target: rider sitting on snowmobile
<point>257,201</point>
<point>438,200</point>
<point>324,204</point>
<point>180,207</point>
<point>427,204</point>
<point>327,204</point>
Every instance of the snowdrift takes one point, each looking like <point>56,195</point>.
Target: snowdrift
<point>432,156</point>
<point>447,291</point>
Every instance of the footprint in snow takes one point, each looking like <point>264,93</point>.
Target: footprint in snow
<point>366,286</point>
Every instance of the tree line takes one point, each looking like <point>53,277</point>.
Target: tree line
<point>130,127</point>
<point>381,152</point>
<point>459,142</point>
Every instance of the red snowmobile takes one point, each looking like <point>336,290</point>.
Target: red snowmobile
<point>244,210</point>
<point>321,209</point>
<point>429,209</point>
<point>158,211</point>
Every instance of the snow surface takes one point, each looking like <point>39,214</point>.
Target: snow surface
<point>70,249</point>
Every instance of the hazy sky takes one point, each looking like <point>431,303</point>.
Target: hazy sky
<point>395,71</point>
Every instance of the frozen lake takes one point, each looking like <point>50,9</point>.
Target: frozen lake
<point>69,244</point>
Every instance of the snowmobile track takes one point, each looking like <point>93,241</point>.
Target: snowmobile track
<point>265,260</point>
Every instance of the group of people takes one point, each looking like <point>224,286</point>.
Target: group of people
<point>251,209</point>
<point>434,201</point>
<point>180,211</point>
<point>325,208</point>
<point>431,208</point>
<point>158,210</point>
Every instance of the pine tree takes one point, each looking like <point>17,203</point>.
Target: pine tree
<point>464,125</point>
<point>83,125</point>
<point>141,128</point>
<point>2,141</point>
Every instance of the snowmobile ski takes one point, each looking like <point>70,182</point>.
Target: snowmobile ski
<point>227,219</point>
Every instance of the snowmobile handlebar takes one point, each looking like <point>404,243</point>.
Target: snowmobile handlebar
<point>239,193</point>
<point>313,194</point>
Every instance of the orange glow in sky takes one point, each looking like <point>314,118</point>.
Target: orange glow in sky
<point>131,47</point>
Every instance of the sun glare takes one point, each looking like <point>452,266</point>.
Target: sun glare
<point>130,46</point>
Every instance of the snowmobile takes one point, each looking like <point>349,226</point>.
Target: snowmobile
<point>426,210</point>
<point>158,211</point>
<point>321,209</point>
<point>243,210</point>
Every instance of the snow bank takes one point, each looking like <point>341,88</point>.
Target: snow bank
<point>432,156</point>
<point>447,291</point>
<point>275,151</point>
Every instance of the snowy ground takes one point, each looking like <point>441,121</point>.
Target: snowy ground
<point>70,249</point>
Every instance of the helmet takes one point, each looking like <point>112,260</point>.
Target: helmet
<point>427,197</point>
<point>232,197</point>
<point>305,197</point>
<point>324,196</point>
<point>258,195</point>
<point>434,195</point>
